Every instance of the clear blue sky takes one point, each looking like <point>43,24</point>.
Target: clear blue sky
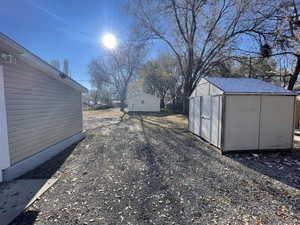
<point>64,29</point>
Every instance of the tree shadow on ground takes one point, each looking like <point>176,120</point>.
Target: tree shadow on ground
<point>155,184</point>
<point>185,166</point>
<point>188,141</point>
<point>282,166</point>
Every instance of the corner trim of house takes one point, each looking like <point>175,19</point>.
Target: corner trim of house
<point>4,151</point>
<point>39,158</point>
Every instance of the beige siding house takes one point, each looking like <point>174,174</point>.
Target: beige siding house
<point>40,110</point>
<point>242,114</point>
<point>142,102</point>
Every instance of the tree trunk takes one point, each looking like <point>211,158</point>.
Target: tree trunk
<point>123,98</point>
<point>162,103</point>
<point>122,109</point>
<point>294,77</point>
<point>186,95</point>
<point>185,104</point>
<point>174,102</point>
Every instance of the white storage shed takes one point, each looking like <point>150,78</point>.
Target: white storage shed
<point>142,102</point>
<point>40,110</point>
<point>240,114</point>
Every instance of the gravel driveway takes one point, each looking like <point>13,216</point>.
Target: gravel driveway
<point>151,170</point>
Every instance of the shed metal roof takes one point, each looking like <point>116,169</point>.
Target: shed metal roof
<point>247,86</point>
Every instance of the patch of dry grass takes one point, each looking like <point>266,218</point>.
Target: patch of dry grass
<point>179,119</point>
<point>169,121</point>
<point>106,112</point>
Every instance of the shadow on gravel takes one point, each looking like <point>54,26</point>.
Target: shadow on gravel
<point>257,162</point>
<point>26,218</point>
<point>47,169</point>
<point>154,185</point>
<point>42,173</point>
<point>281,166</point>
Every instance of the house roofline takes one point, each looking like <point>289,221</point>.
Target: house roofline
<point>34,60</point>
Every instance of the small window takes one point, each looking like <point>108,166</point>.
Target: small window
<point>142,102</point>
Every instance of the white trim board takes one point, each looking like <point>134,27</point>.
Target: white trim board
<point>4,147</point>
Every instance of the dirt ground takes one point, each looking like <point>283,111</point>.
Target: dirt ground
<point>150,170</point>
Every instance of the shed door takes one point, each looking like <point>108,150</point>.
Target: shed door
<point>206,117</point>
<point>215,120</point>
<point>242,122</point>
<point>276,126</point>
<point>197,115</point>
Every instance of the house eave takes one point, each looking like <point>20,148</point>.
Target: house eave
<point>12,47</point>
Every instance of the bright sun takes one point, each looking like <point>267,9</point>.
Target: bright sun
<point>109,41</point>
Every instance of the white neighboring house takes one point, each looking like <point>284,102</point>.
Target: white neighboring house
<point>240,114</point>
<point>40,110</point>
<point>142,102</point>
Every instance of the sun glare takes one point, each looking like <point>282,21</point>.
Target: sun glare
<point>109,41</point>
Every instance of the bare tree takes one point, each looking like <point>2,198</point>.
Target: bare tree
<point>100,81</point>
<point>157,77</point>
<point>119,67</point>
<point>97,70</point>
<point>200,33</point>
<point>256,67</point>
<point>279,32</point>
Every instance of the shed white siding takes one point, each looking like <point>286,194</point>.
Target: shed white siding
<point>143,102</point>
<point>41,110</point>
